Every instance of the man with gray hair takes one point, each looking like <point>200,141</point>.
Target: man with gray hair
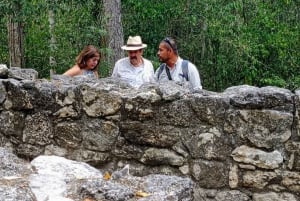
<point>134,69</point>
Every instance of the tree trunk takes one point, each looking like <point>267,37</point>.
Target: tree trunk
<point>52,60</point>
<point>16,45</point>
<point>112,10</point>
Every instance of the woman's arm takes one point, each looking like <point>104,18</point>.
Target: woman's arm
<point>75,70</point>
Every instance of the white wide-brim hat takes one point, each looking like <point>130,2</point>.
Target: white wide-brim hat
<point>134,43</point>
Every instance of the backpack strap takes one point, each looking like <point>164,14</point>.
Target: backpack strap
<point>161,69</point>
<point>168,73</point>
<point>185,69</point>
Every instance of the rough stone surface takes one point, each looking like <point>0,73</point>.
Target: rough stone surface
<point>23,73</point>
<point>271,196</point>
<point>14,174</point>
<point>258,179</point>
<point>232,195</point>
<point>233,177</point>
<point>210,174</point>
<point>3,71</point>
<point>154,156</point>
<point>57,178</point>
<point>240,144</point>
<point>257,157</point>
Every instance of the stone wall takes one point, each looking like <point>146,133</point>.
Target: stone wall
<point>242,143</point>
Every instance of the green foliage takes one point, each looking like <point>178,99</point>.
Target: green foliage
<point>76,26</point>
<point>275,81</point>
<point>152,20</point>
<point>4,57</point>
<point>231,42</point>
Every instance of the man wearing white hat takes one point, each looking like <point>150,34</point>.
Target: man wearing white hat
<point>135,69</point>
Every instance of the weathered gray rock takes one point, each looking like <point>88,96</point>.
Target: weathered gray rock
<point>99,190</point>
<point>53,175</point>
<point>222,195</point>
<point>68,134</point>
<point>210,109</point>
<point>232,196</point>
<point>258,179</point>
<point>97,102</point>
<point>12,124</point>
<point>38,129</point>
<point>3,71</point>
<point>125,149</point>
<point>264,128</point>
<point>154,156</point>
<point>290,180</point>
<point>177,113</point>
<point>249,97</point>
<point>257,157</point>
<point>14,173</point>
<point>263,115</point>
<point>23,73</point>
<point>150,134</point>
<point>2,94</point>
<point>235,144</point>
<point>92,157</point>
<point>13,167</point>
<point>15,189</point>
<point>17,97</point>
<point>209,174</point>
<point>296,126</point>
<point>171,91</point>
<point>140,169</point>
<point>57,178</point>
<point>234,176</point>
<point>60,179</point>
<point>154,187</point>
<point>293,147</point>
<point>271,196</point>
<point>208,143</point>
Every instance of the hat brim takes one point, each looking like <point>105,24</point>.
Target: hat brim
<point>125,47</point>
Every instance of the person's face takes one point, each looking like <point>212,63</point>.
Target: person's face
<point>163,53</point>
<point>135,56</point>
<point>92,62</point>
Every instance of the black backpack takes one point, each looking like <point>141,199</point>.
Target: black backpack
<point>184,68</point>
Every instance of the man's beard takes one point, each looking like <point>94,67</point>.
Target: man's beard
<point>133,58</point>
<point>162,60</point>
<point>134,61</point>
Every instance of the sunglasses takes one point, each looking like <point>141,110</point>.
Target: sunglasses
<point>168,41</point>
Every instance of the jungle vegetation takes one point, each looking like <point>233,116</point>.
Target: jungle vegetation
<point>231,42</point>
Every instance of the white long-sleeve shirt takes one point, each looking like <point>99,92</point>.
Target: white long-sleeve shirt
<point>135,76</point>
<point>176,75</point>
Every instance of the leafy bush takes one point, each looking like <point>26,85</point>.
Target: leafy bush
<point>231,42</point>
